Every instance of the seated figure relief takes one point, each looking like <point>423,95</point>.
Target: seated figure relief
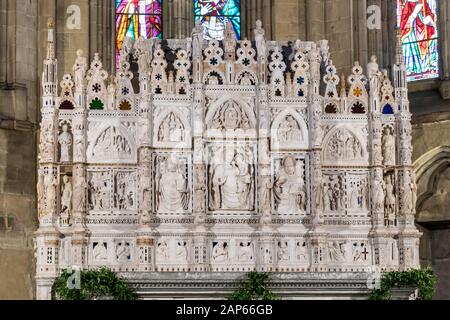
<point>171,189</point>
<point>232,183</point>
<point>289,189</point>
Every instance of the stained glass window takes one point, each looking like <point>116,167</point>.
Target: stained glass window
<point>215,13</point>
<point>418,22</point>
<point>135,18</point>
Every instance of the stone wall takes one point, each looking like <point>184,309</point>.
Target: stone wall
<point>431,138</point>
<point>18,118</point>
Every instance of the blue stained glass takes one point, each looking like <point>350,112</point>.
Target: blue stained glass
<point>214,14</point>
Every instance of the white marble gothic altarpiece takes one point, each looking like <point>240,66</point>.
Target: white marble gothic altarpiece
<point>229,157</point>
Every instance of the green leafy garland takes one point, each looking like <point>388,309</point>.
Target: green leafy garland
<point>422,279</point>
<point>94,284</point>
<point>254,288</point>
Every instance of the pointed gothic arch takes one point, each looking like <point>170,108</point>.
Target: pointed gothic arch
<point>231,116</point>
<point>111,142</point>
<point>343,144</point>
<point>180,137</point>
<point>294,137</point>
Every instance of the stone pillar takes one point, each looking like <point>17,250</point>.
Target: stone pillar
<point>145,243</point>
<point>79,234</point>
<point>379,233</point>
<point>318,238</point>
<point>102,32</point>
<point>254,10</point>
<point>408,234</point>
<point>178,17</point>
<point>145,234</point>
<point>200,246</point>
<point>444,23</point>
<point>47,236</point>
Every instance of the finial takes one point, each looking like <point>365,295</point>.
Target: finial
<point>51,23</point>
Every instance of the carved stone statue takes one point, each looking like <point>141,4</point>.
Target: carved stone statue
<point>289,189</point>
<point>79,70</point>
<point>266,199</point>
<point>389,207</point>
<point>379,192</point>
<point>66,196</point>
<point>143,54</point>
<point>375,76</point>
<point>50,192</point>
<point>79,190</point>
<point>229,38</point>
<point>318,193</point>
<point>125,51</point>
<point>65,141</point>
<point>260,40</point>
<point>171,186</point>
<point>197,40</point>
<point>315,61</point>
<point>220,252</point>
<point>388,147</point>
